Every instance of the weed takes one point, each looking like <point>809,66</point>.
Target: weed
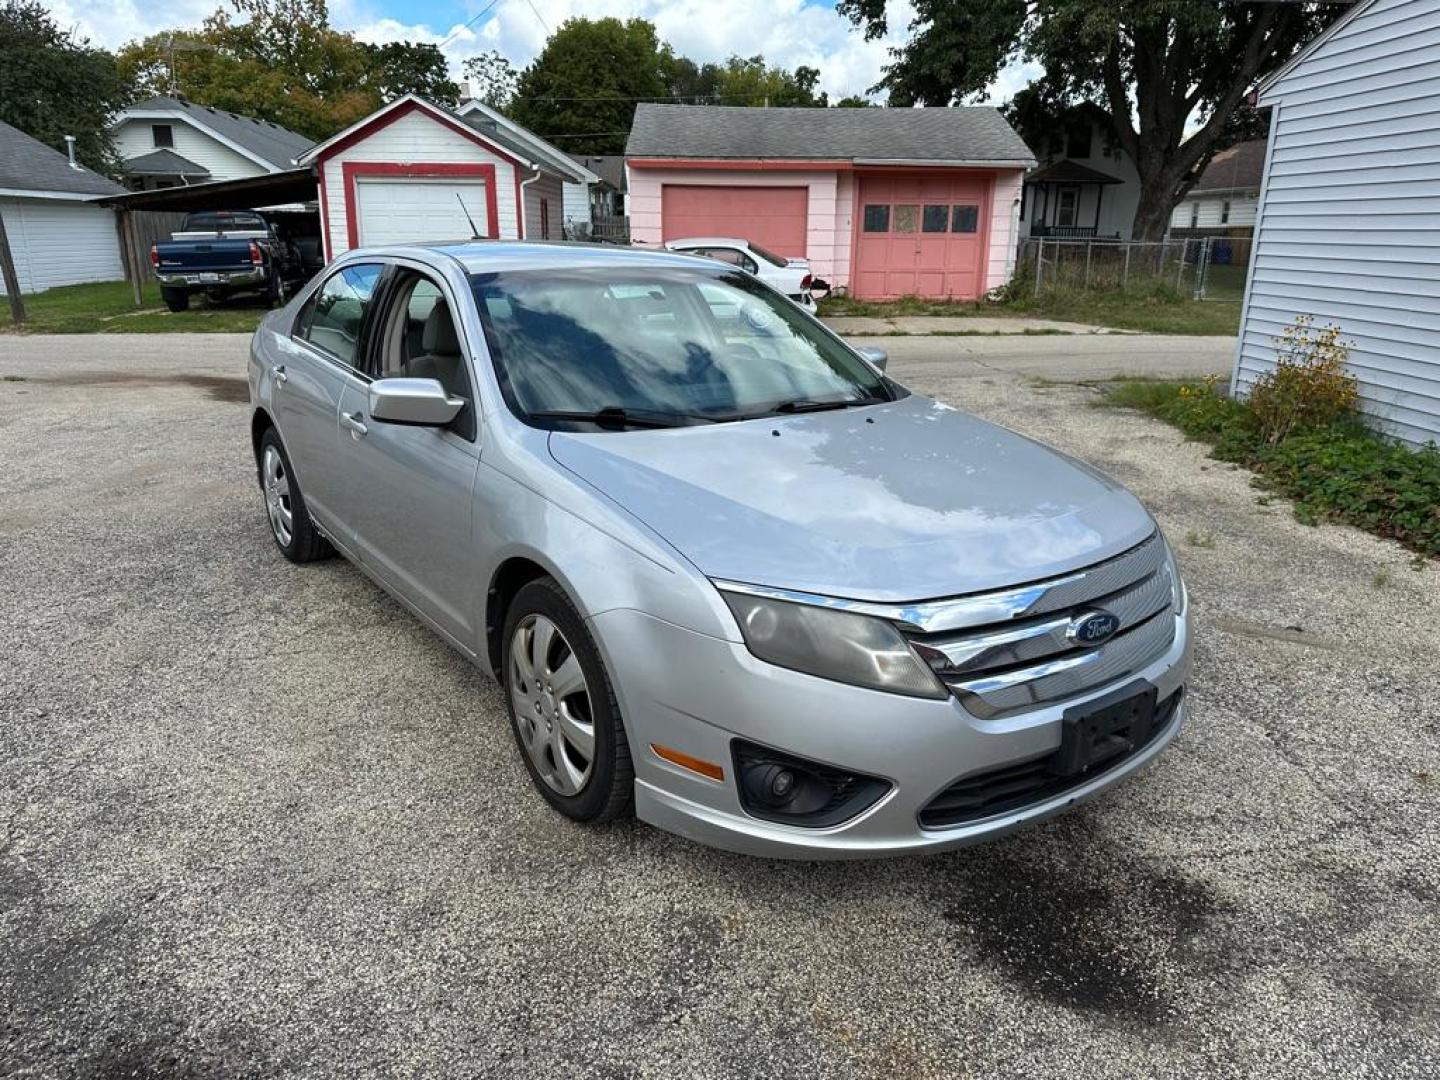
<point>1200,538</point>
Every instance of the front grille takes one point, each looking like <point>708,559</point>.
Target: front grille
<point>1003,790</point>
<point>1024,658</point>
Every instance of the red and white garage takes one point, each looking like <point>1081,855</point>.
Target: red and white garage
<point>415,172</point>
<point>883,202</point>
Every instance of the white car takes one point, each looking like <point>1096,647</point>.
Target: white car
<point>789,276</point>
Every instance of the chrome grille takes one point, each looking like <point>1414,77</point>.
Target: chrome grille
<point>1009,664</point>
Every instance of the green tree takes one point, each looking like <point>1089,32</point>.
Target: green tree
<point>281,60</point>
<point>854,101</point>
<point>492,79</point>
<point>53,84</point>
<point>581,91</point>
<point>1170,72</point>
<point>750,81</point>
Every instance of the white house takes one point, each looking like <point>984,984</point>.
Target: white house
<point>414,171</point>
<point>1348,227</point>
<point>57,235</point>
<point>1225,197</point>
<point>576,195</point>
<point>1084,186</point>
<point>170,142</point>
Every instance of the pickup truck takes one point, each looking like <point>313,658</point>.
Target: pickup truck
<point>225,252</point>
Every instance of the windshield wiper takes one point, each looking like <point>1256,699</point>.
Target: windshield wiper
<point>618,417</point>
<point>803,405</point>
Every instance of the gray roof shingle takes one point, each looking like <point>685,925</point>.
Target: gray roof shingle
<point>27,164</point>
<point>163,163</point>
<point>266,140</point>
<point>961,134</point>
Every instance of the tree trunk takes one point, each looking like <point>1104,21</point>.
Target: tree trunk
<point>1152,213</point>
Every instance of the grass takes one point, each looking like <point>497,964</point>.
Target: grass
<point>1341,471</point>
<point>1156,309</point>
<point>108,307</point>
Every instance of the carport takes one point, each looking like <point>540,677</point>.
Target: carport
<point>141,222</point>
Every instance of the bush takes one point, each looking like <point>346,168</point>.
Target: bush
<point>1309,387</point>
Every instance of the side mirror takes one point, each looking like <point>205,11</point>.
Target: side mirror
<point>878,357</point>
<point>419,402</point>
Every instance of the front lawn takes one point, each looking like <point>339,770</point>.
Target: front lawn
<point>1153,311</point>
<point>1341,471</point>
<point>108,307</point>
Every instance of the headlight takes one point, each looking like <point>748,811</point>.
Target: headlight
<point>1177,584</point>
<point>832,644</point>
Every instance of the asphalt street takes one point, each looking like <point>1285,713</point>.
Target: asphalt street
<point>257,821</point>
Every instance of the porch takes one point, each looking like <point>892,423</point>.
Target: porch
<point>1062,201</point>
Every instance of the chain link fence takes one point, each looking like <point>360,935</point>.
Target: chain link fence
<point>1196,267</point>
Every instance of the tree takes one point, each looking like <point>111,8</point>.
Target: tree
<point>854,101</point>
<point>1160,66</point>
<point>53,84</point>
<point>581,91</point>
<point>280,60</point>
<point>750,81</point>
<point>492,79</point>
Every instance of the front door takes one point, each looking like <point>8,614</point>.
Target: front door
<point>412,488</point>
<point>315,363</point>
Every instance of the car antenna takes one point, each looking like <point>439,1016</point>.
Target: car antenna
<point>474,232</point>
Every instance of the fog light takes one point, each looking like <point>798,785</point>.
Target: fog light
<point>776,786</point>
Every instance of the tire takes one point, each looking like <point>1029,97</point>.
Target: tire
<point>275,292</point>
<point>547,723</point>
<point>290,525</point>
<point>175,299</point>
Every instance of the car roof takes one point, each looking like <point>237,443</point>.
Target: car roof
<point>493,256</point>
<point>702,241</point>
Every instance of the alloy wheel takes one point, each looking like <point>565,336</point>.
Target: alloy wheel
<point>551,700</point>
<point>277,496</point>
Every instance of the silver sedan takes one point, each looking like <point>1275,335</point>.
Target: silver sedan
<point>728,572</point>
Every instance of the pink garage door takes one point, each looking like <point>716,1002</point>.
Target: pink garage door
<point>921,235</point>
<point>773,217</point>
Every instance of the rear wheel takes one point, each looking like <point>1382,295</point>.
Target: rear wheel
<point>175,299</point>
<point>295,534</point>
<point>562,708</point>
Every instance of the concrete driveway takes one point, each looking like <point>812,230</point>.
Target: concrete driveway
<point>256,821</point>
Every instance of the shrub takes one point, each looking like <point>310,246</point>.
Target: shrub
<point>1309,386</point>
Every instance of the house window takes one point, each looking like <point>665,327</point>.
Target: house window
<point>1077,142</point>
<point>1225,212</point>
<point>965,218</point>
<point>877,219</point>
<point>935,219</point>
<point>1194,214</point>
<point>163,135</point>
<point>906,218</point>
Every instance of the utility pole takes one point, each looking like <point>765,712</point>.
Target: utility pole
<point>12,280</point>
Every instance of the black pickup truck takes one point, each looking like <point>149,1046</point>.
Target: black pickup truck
<point>225,252</point>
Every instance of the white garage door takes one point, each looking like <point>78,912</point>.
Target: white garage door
<point>417,209</point>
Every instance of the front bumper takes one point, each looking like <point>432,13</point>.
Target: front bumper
<point>212,279</point>
<point>920,746</point>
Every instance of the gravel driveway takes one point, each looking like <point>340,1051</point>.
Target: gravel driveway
<point>256,821</point>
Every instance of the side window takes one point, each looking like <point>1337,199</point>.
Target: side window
<point>420,339</point>
<point>877,218</point>
<point>332,318</point>
<point>934,219</point>
<point>725,255</point>
<point>748,263</point>
<point>964,218</point>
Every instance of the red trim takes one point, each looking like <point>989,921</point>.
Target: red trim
<point>385,119</point>
<point>352,169</point>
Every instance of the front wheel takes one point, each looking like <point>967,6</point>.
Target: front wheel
<point>562,708</point>
<point>175,299</point>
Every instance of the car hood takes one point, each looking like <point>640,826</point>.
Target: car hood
<point>909,500</point>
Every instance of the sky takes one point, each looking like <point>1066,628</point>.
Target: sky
<point>787,33</point>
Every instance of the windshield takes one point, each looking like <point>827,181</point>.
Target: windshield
<point>769,256</point>
<point>661,342</point>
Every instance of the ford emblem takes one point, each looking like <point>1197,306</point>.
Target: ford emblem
<point>1091,628</point>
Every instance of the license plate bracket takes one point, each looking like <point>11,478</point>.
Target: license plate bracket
<point>1107,728</point>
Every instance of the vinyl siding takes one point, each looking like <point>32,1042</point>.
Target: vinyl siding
<point>1349,221</point>
<point>1211,210</point>
<point>548,188</point>
<point>58,242</point>
<point>1004,227</point>
<point>577,204</point>
<point>415,138</point>
<point>134,137</point>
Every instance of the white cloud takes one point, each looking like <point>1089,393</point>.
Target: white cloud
<point>786,32</point>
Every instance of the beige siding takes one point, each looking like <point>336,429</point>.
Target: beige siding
<point>1349,221</point>
<point>551,190</point>
<point>60,242</point>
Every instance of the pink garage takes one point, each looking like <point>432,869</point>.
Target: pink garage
<point>883,202</point>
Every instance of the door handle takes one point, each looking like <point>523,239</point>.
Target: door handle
<point>355,422</point>
<point>278,373</point>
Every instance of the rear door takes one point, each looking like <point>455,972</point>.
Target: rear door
<point>315,363</point>
<point>411,488</point>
